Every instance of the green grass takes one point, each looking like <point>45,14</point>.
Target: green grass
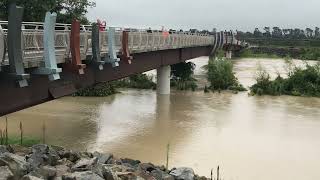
<point>26,141</point>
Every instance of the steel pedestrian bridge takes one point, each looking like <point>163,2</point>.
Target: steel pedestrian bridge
<point>41,61</point>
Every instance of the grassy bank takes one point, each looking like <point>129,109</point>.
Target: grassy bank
<point>300,82</point>
<point>220,75</point>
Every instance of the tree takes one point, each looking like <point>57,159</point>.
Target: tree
<point>317,32</point>
<point>182,71</point>
<point>267,32</point>
<point>309,32</point>
<point>277,32</point>
<point>35,10</point>
<point>257,33</point>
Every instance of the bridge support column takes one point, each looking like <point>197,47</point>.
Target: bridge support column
<point>163,80</point>
<point>229,54</point>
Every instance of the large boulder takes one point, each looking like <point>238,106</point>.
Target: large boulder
<point>44,172</point>
<point>84,164</point>
<point>103,158</point>
<point>17,164</point>
<point>43,155</point>
<point>182,173</point>
<point>3,149</point>
<point>5,173</point>
<point>86,175</point>
<point>30,177</point>
<point>19,150</point>
<point>131,162</point>
<point>160,175</point>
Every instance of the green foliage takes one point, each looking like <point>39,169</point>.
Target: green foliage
<point>182,85</point>
<point>183,70</point>
<point>221,76</point>
<point>99,90</point>
<point>138,81</point>
<point>300,82</point>
<point>35,10</point>
<point>310,54</point>
<point>27,141</point>
<point>181,76</point>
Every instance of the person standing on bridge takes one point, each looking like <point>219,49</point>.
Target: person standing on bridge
<point>165,33</point>
<point>102,25</point>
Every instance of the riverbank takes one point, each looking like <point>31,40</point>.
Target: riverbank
<point>303,53</point>
<point>52,162</point>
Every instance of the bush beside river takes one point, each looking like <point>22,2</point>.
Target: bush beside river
<point>300,82</point>
<point>221,76</point>
<point>307,53</point>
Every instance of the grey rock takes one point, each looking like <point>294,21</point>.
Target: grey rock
<point>146,167</point>
<point>5,173</point>
<point>183,173</point>
<point>30,177</point>
<point>19,150</point>
<point>160,175</point>
<point>103,158</point>
<point>3,149</point>
<point>62,169</point>
<point>45,172</point>
<point>70,155</point>
<point>84,164</point>
<point>17,164</point>
<point>43,155</point>
<point>107,173</point>
<point>130,161</point>
<point>86,175</point>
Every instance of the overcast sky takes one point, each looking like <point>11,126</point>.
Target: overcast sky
<point>207,14</point>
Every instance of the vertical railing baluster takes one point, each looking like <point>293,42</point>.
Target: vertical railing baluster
<point>14,44</point>
<point>50,61</point>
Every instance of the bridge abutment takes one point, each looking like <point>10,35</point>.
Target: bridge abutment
<point>163,80</point>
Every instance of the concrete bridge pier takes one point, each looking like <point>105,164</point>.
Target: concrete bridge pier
<point>163,80</point>
<point>229,54</point>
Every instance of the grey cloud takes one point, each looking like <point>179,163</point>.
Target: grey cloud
<point>208,14</point>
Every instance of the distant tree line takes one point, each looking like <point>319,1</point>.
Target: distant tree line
<point>278,33</point>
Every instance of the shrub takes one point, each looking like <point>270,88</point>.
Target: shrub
<point>300,82</point>
<point>181,76</point>
<point>221,76</point>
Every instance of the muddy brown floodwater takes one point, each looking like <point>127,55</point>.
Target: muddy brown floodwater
<point>251,138</point>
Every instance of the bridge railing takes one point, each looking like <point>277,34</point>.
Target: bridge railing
<point>140,40</point>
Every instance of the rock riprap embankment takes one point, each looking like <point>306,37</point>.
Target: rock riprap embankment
<point>55,163</point>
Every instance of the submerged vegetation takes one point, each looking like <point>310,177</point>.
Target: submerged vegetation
<point>221,76</point>
<point>300,82</point>
<point>181,76</point>
<point>138,81</point>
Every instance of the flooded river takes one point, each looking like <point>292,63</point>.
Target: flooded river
<point>251,138</point>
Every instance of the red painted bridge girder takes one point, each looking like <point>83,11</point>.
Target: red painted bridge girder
<point>42,90</point>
